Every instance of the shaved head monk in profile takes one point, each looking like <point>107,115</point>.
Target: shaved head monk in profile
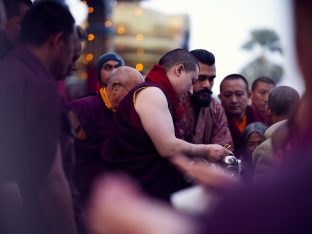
<point>91,117</point>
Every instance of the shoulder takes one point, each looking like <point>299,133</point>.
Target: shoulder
<point>273,128</point>
<point>216,107</point>
<point>262,151</point>
<point>149,99</point>
<point>149,93</point>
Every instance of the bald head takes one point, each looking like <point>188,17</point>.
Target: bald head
<point>121,81</point>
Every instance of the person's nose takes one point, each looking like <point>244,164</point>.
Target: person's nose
<point>266,97</point>
<point>206,84</point>
<point>191,89</point>
<point>233,99</point>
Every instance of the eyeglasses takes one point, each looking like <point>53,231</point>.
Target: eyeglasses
<point>121,85</point>
<point>109,67</point>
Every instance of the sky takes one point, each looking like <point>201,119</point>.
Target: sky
<point>222,27</point>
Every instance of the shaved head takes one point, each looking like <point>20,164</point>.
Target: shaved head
<point>121,81</point>
<point>127,76</point>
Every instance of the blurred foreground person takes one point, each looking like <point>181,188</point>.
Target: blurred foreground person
<point>15,11</point>
<point>34,193</point>
<point>280,205</point>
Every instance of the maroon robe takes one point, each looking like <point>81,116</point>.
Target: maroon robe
<point>95,118</point>
<point>252,116</point>
<point>129,148</point>
<point>209,126</point>
<point>263,117</point>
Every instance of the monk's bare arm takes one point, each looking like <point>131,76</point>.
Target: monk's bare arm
<point>152,107</point>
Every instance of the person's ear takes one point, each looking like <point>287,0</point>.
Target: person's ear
<point>179,69</point>
<point>115,86</point>
<point>56,40</point>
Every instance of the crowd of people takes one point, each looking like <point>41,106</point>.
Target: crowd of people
<point>110,162</point>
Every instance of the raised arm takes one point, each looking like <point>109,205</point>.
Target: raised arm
<point>152,107</point>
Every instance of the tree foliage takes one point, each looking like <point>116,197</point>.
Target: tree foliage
<point>265,42</point>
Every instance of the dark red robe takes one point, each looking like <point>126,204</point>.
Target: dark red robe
<point>129,149</point>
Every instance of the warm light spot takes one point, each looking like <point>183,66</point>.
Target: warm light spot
<point>140,51</point>
<point>139,67</point>
<point>84,2</point>
<point>89,57</point>
<point>121,29</point>
<point>108,23</point>
<point>90,37</point>
<point>139,37</point>
<point>84,76</point>
<point>138,11</point>
<point>90,10</point>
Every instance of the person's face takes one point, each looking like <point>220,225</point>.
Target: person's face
<point>259,97</point>
<point>63,55</point>
<point>254,140</point>
<point>234,97</point>
<point>202,88</point>
<point>107,69</point>
<point>76,54</point>
<point>187,79</point>
<point>118,89</point>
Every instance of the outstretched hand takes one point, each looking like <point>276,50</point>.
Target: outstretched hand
<point>216,152</point>
<point>117,205</point>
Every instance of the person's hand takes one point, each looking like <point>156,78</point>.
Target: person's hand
<point>112,206</point>
<point>211,176</point>
<point>216,152</point>
<point>206,173</point>
<point>117,206</point>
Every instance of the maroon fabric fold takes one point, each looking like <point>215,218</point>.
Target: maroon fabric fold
<point>158,76</point>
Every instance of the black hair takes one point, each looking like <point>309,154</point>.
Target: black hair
<point>236,77</point>
<point>179,56</point>
<point>12,7</point>
<point>263,79</point>
<point>282,99</point>
<point>45,19</point>
<point>204,56</point>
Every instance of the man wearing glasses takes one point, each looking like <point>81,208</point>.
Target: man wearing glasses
<point>91,117</point>
<point>204,121</point>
